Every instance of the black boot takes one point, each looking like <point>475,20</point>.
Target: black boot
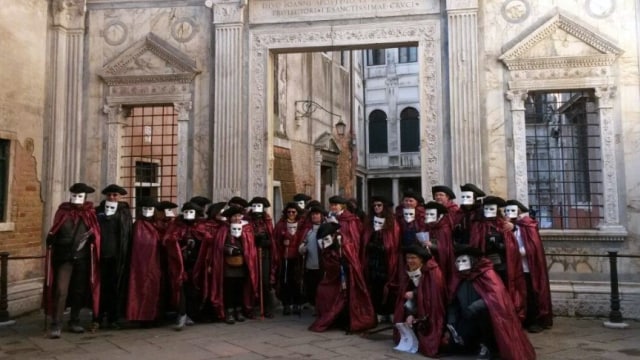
<point>239,316</point>
<point>228,317</point>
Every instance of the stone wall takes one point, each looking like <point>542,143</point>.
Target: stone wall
<point>283,172</point>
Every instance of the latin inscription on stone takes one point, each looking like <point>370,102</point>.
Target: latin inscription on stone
<point>272,11</point>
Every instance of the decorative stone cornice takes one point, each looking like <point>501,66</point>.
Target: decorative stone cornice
<point>515,57</point>
<point>69,14</point>
<point>227,11</point>
<point>150,60</point>
<point>326,142</point>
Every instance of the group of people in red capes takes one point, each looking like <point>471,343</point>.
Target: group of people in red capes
<point>453,273</point>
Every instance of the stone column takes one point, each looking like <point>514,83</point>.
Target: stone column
<point>464,93</point>
<point>183,170</point>
<point>611,220</point>
<point>230,129</point>
<point>115,131</point>
<point>517,99</point>
<point>395,191</point>
<point>318,175</point>
<point>64,128</point>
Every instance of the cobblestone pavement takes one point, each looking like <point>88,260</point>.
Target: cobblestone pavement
<point>287,338</point>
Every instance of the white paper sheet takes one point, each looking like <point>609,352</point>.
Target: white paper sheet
<point>408,340</point>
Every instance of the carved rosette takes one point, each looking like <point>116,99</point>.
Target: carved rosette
<point>605,95</point>
<point>517,99</point>
<point>69,14</point>
<point>427,34</point>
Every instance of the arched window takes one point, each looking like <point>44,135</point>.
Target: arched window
<point>409,130</point>
<point>378,132</point>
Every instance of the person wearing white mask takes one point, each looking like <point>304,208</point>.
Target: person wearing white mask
<point>262,225</point>
<point>72,261</point>
<point>381,245</point>
<point>470,210</point>
<point>350,225</point>
<point>232,263</point>
<point>539,314</point>
<point>410,217</point>
<point>116,225</point>
<point>498,243</point>
<point>439,240</point>
<point>421,302</point>
<point>145,275</point>
<point>182,241</point>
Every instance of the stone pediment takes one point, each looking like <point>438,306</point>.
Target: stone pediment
<point>147,61</point>
<point>326,142</point>
<point>560,42</point>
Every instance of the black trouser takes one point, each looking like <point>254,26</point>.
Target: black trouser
<point>377,297</point>
<point>190,299</point>
<point>109,296</point>
<point>72,281</point>
<point>532,303</point>
<point>289,283</point>
<point>265,263</point>
<point>476,330</point>
<point>233,291</point>
<point>312,278</point>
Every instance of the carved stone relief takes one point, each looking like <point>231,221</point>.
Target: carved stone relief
<point>115,32</point>
<point>515,11</point>
<point>69,13</point>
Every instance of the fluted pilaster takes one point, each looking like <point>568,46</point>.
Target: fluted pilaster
<point>464,93</point>
<point>517,99</point>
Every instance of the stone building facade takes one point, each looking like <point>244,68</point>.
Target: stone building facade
<point>502,84</point>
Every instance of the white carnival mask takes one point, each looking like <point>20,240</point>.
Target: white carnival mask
<point>378,223</point>
<point>292,228</point>
<point>431,215</point>
<point>110,207</point>
<point>78,198</point>
<point>511,211</point>
<point>148,211</point>
<point>415,276</point>
<point>169,213</point>
<point>236,230</point>
<point>463,262</point>
<point>466,198</point>
<point>491,210</point>
<point>189,214</point>
<point>409,214</point>
<point>301,204</point>
<point>325,242</point>
<point>257,208</point>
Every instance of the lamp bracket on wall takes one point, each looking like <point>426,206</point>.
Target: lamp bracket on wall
<point>304,109</point>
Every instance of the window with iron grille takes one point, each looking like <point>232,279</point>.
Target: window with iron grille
<point>408,54</point>
<point>149,153</point>
<point>564,159</point>
<point>375,57</point>
<point>4,177</point>
<point>409,130</point>
<point>378,132</point>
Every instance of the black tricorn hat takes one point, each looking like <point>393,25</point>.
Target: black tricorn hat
<point>317,209</point>
<point>413,194</point>
<point>163,205</point>
<point>313,203</point>
<point>444,189</point>
<point>291,205</point>
<point>237,200</point>
<point>78,188</point>
<point>301,197</point>
<point>200,201</point>
<point>517,203</point>
<point>327,229</point>
<point>232,210</point>
<point>215,209</point>
<point>260,200</point>
<point>490,200</point>
<point>471,187</point>
<point>382,199</point>
<point>113,188</point>
<point>192,206</point>
<point>416,249</point>
<point>435,205</point>
<point>460,250</point>
<point>146,201</point>
<point>337,199</point>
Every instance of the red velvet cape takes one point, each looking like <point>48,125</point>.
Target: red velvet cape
<point>419,221</point>
<point>430,303</point>
<point>145,275</point>
<point>351,230</point>
<point>214,265</point>
<point>275,259</point>
<point>175,232</point>
<point>452,214</point>
<point>537,268</point>
<point>516,284</point>
<point>444,256</point>
<point>513,343</point>
<point>290,252</point>
<point>331,299</point>
<point>391,241</point>
<point>86,213</point>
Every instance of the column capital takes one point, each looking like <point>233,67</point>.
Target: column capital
<point>453,5</point>
<point>605,95</point>
<point>227,11</point>
<point>517,98</point>
<point>69,14</point>
<point>183,108</point>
